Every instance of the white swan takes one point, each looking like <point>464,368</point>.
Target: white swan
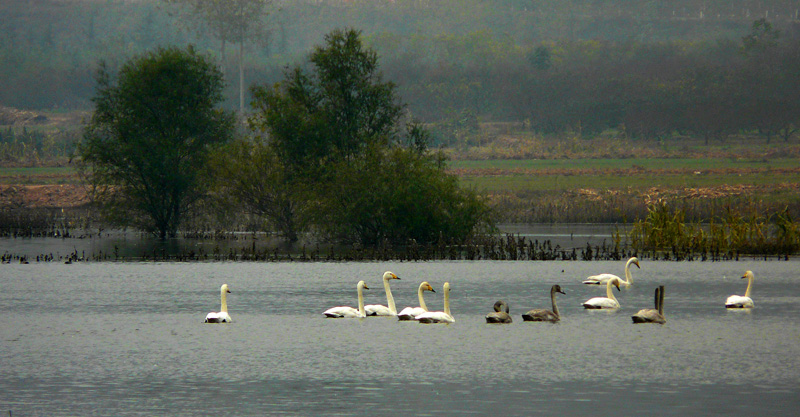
<point>603,278</point>
<point>498,315</point>
<point>737,301</point>
<point>382,310</point>
<point>439,316</point>
<point>409,313</point>
<point>349,312</point>
<point>546,315</point>
<point>222,316</point>
<point>609,301</point>
<point>649,315</point>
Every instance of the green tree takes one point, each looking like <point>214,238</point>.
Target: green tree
<point>334,111</point>
<point>397,195</point>
<point>253,178</point>
<point>358,175</point>
<point>150,136</point>
<point>313,118</point>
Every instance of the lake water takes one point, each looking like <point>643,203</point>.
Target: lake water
<point>128,339</point>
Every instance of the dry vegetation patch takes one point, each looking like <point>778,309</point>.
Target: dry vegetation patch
<point>42,196</point>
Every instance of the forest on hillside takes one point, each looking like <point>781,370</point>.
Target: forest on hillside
<point>646,68</point>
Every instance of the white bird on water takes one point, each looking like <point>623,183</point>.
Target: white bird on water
<point>738,301</point>
<point>222,316</point>
<point>603,278</point>
<point>350,312</point>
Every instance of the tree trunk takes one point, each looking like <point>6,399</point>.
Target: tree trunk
<point>241,78</point>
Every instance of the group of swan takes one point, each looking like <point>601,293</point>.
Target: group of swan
<point>419,313</point>
<point>501,313</point>
<point>609,280</point>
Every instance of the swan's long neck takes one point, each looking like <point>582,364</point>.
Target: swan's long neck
<point>224,299</point>
<point>447,301</point>
<point>660,307</point>
<point>361,301</point>
<point>389,297</point>
<point>421,298</point>
<point>749,285</point>
<point>553,301</point>
<point>609,293</point>
<point>655,303</point>
<point>628,276</point>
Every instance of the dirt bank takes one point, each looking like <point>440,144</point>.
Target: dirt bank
<point>15,196</point>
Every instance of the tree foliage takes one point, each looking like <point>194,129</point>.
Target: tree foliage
<point>148,141</point>
<point>397,195</point>
<point>254,178</point>
<point>336,129</point>
<point>334,111</point>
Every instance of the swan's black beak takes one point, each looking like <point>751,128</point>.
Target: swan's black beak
<point>228,291</point>
<point>562,292</point>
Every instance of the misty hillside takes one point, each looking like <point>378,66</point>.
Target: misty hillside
<point>494,59</point>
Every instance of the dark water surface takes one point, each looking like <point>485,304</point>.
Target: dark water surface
<point>128,339</point>
<point>109,245</point>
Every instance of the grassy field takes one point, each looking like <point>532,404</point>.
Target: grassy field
<point>698,164</point>
<point>497,176</point>
<point>541,183</point>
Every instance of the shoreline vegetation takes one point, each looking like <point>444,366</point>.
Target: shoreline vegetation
<point>672,200</point>
<point>698,243</point>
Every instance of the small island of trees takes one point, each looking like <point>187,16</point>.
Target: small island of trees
<point>329,151</point>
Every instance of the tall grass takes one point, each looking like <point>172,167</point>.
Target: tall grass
<point>728,235</point>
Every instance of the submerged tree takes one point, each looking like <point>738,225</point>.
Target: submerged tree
<point>252,178</point>
<point>358,175</point>
<point>150,136</point>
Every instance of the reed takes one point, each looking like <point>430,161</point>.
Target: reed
<point>666,232</point>
<point>484,247</point>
